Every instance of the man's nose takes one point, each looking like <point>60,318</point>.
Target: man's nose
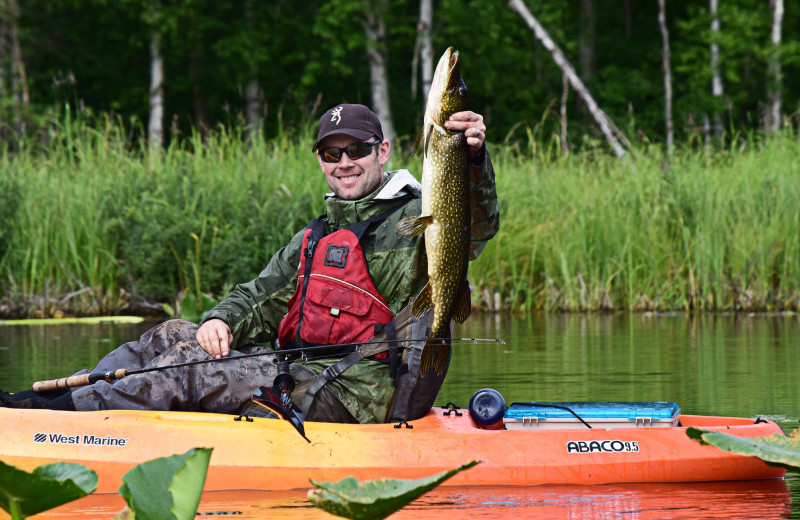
<point>345,161</point>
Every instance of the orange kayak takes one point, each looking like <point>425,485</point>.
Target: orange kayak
<point>268,454</point>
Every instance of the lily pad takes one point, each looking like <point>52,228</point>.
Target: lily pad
<point>168,488</point>
<point>23,494</point>
<point>374,499</point>
<point>776,450</point>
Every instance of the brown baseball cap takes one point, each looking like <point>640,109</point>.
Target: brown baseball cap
<point>354,120</point>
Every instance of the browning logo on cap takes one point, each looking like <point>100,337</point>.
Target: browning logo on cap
<point>337,115</point>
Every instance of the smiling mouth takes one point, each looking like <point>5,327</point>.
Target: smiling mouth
<point>349,178</point>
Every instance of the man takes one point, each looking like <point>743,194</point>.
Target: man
<point>362,250</point>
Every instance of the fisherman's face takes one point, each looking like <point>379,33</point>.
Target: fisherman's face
<point>353,179</point>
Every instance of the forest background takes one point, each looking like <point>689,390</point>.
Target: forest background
<point>158,152</point>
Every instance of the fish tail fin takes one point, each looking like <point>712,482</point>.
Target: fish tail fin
<point>434,356</point>
<point>442,355</point>
<point>423,302</point>
<point>413,226</point>
<point>426,359</point>
<point>463,306</point>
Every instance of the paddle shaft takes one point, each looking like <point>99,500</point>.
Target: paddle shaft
<point>114,375</point>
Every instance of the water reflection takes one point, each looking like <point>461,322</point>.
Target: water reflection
<point>720,365</point>
<point>763,500</point>
<point>36,352</point>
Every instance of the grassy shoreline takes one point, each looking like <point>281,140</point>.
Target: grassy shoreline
<point>94,226</point>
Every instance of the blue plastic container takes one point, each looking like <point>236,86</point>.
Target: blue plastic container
<point>597,414</point>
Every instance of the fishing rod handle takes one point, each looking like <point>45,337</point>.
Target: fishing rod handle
<point>76,381</point>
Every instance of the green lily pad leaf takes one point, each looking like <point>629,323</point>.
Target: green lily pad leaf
<point>23,494</point>
<point>168,488</point>
<point>776,450</point>
<point>374,499</point>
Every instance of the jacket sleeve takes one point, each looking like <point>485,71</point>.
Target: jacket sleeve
<point>253,310</point>
<point>483,199</point>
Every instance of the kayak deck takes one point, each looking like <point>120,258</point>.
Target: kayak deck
<point>267,454</point>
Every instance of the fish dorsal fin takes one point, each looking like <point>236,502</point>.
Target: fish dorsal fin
<point>413,226</point>
<point>423,302</point>
<point>463,306</point>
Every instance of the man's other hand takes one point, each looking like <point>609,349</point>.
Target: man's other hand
<point>215,337</point>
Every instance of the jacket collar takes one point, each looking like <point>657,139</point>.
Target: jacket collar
<point>396,185</point>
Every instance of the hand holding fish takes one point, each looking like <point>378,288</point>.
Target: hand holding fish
<point>473,127</point>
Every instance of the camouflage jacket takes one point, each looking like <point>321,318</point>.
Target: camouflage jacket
<point>397,265</point>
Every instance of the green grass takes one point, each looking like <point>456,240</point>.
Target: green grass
<point>91,223</point>
<point>589,232</point>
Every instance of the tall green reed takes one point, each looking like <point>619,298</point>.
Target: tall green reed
<point>98,220</point>
<point>94,220</point>
<point>589,232</point>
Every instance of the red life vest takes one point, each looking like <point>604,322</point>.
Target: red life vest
<point>335,301</point>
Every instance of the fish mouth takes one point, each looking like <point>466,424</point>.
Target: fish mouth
<point>448,69</point>
<point>447,88</point>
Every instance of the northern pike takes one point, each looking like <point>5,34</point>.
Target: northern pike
<point>445,217</point>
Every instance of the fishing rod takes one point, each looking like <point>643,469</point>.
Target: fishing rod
<point>114,375</point>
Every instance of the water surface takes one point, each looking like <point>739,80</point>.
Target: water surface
<point>741,365</point>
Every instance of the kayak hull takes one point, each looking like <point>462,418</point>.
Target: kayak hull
<point>267,454</point>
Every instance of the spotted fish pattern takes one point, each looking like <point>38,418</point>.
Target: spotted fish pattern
<point>445,217</point>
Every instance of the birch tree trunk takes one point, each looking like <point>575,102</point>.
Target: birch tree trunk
<point>707,136</point>
<point>375,31</point>
<point>774,70</point>
<point>665,63</point>
<point>155,127</point>
<point>423,47</point>
<point>253,94</point>
<point>612,134</point>
<point>426,46</point>
<point>716,77</point>
<point>254,103</point>
<point>19,80</point>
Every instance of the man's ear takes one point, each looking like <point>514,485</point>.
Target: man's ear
<point>383,152</point>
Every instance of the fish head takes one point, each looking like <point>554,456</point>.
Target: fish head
<point>448,93</point>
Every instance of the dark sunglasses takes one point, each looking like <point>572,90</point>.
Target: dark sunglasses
<point>333,154</point>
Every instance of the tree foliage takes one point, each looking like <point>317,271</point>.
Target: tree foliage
<point>308,55</point>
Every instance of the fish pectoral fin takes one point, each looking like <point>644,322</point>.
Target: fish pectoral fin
<point>463,306</point>
<point>413,226</point>
<point>423,302</point>
<point>428,140</point>
<point>417,143</point>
